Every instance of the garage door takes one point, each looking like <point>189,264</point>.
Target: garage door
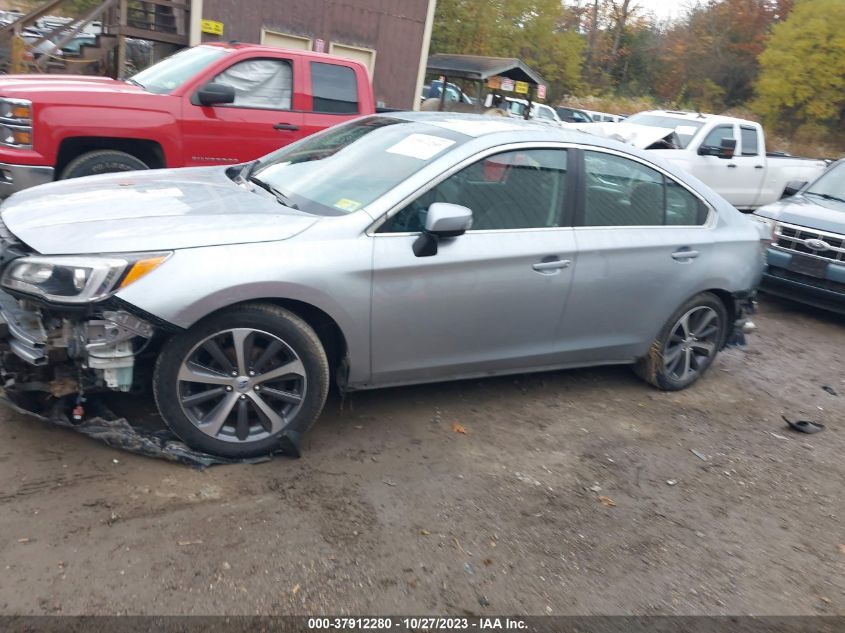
<point>366,56</point>
<point>284,40</point>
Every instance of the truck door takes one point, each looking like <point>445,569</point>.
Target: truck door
<point>723,175</point>
<point>263,117</point>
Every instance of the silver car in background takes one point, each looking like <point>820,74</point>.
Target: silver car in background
<point>391,250</point>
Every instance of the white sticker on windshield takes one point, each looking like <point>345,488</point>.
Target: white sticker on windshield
<point>421,146</point>
<point>686,130</point>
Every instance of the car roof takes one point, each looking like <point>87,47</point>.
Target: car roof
<point>516,130</point>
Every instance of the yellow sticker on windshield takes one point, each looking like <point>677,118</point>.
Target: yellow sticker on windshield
<point>347,205</point>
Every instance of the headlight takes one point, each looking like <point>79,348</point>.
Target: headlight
<point>16,122</point>
<point>72,279</point>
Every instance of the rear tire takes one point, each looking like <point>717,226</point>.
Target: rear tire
<point>687,345</point>
<point>101,162</point>
<point>240,381</point>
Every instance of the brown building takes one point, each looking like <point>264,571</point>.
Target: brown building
<point>390,36</point>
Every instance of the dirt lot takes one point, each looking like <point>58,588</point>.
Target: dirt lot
<point>392,511</point>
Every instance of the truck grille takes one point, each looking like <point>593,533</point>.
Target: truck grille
<point>800,239</point>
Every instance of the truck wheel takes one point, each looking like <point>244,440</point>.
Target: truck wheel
<point>101,162</point>
<point>239,382</point>
<point>687,344</point>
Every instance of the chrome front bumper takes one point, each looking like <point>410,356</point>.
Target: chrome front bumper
<point>14,178</point>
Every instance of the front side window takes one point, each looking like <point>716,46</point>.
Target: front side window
<point>623,192</point>
<point>714,138</point>
<point>335,88</point>
<point>260,83</point>
<point>520,189</point>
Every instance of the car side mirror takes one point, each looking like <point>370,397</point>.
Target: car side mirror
<point>214,94</point>
<point>443,220</point>
<point>792,187</point>
<point>727,148</point>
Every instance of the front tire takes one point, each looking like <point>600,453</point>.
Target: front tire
<point>687,345</point>
<point>239,381</point>
<point>101,162</point>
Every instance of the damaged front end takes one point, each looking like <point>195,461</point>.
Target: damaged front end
<point>62,333</point>
<point>55,351</point>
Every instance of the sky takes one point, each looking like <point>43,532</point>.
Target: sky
<point>663,8</point>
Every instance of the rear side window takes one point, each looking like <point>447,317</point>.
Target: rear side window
<point>623,192</point>
<point>749,141</point>
<point>335,88</point>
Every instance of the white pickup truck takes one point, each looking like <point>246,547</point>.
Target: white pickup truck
<point>726,153</point>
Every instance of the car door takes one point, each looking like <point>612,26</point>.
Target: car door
<point>491,299</point>
<point>644,247</point>
<point>262,119</point>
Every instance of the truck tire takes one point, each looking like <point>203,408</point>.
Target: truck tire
<point>101,162</point>
<point>686,345</point>
<point>243,382</point>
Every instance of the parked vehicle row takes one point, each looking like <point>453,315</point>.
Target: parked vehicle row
<point>451,246</point>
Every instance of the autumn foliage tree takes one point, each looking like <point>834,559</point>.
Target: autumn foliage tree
<point>802,82</point>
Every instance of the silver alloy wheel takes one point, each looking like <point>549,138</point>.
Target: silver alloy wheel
<point>241,385</point>
<point>692,343</point>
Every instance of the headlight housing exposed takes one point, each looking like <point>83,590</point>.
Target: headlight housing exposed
<point>16,123</point>
<point>78,279</point>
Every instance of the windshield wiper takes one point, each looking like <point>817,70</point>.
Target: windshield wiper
<point>825,196</point>
<point>281,198</point>
<point>134,83</point>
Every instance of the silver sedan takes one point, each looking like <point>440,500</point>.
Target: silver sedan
<point>391,250</point>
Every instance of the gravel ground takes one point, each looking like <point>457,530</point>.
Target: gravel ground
<point>577,492</point>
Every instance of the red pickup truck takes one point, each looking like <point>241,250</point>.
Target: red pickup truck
<point>208,105</point>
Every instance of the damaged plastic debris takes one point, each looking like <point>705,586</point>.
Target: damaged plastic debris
<point>804,426</point>
<point>117,432</point>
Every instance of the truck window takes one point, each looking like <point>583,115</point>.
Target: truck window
<point>749,141</point>
<point>335,88</point>
<point>260,83</point>
<point>717,134</point>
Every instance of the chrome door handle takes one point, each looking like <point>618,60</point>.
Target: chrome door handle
<point>555,264</point>
<point>684,255</point>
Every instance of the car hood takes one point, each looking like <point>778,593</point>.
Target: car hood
<point>146,211</point>
<point>814,213</point>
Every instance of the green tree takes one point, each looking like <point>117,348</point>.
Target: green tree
<point>539,32</point>
<point>802,81</point>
